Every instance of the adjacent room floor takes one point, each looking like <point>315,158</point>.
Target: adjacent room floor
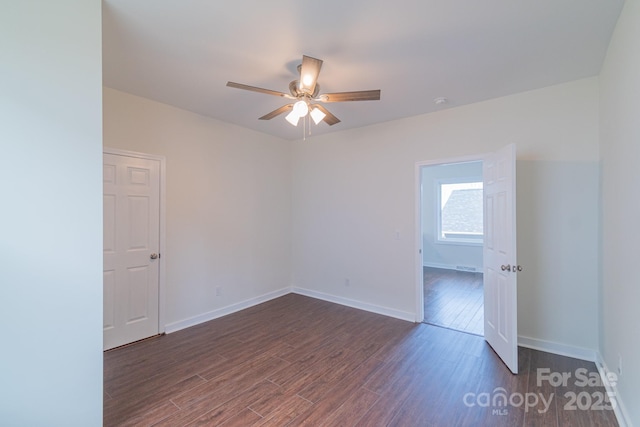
<point>454,299</point>
<point>297,360</point>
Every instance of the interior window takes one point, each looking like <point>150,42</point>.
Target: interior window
<point>460,216</point>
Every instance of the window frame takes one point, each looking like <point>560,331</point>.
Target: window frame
<point>438,205</point>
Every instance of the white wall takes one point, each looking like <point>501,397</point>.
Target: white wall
<point>51,215</point>
<point>353,190</point>
<point>620,151</point>
<point>228,204</point>
<point>434,252</point>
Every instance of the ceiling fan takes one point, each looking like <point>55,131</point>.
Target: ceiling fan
<point>305,92</point>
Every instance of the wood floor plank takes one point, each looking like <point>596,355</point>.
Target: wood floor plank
<point>338,394</point>
<point>290,407</point>
<point>420,408</point>
<point>333,370</point>
<point>237,358</point>
<point>139,406</point>
<point>174,373</point>
<point>226,386</point>
<point>267,403</point>
<point>219,409</point>
<point>392,400</point>
<point>308,370</point>
<point>393,371</point>
<point>313,378</point>
<point>243,419</point>
<point>397,349</point>
<point>353,409</point>
<point>238,405</point>
<point>148,417</point>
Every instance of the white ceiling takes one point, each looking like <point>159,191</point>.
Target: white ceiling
<point>183,52</point>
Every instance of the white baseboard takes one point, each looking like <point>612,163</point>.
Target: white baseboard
<point>214,314</point>
<point>205,317</point>
<point>558,348</point>
<point>619,410</point>
<point>436,265</point>
<point>402,315</point>
<point>473,268</point>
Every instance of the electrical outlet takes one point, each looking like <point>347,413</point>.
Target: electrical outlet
<point>218,291</point>
<point>619,364</point>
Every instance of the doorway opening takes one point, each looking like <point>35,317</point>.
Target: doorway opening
<point>499,263</point>
<point>451,214</point>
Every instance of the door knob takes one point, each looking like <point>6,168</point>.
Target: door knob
<point>506,267</point>
<point>519,268</point>
<point>153,256</point>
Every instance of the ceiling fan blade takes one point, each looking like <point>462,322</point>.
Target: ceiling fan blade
<point>277,112</point>
<point>329,118</point>
<point>309,73</point>
<point>258,89</point>
<point>363,95</point>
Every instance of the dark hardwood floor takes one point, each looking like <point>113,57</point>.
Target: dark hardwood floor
<point>300,361</point>
<point>454,299</point>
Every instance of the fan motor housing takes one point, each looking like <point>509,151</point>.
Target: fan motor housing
<point>294,88</point>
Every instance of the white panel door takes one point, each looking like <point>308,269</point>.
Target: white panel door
<point>500,264</point>
<point>131,244</point>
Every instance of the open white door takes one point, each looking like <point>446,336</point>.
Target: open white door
<point>131,248</point>
<point>500,263</point>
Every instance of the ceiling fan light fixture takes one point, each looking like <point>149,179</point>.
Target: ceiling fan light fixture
<point>301,108</point>
<point>293,117</point>
<point>317,115</point>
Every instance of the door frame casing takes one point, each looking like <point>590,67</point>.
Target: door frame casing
<point>418,222</point>
<point>162,227</point>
